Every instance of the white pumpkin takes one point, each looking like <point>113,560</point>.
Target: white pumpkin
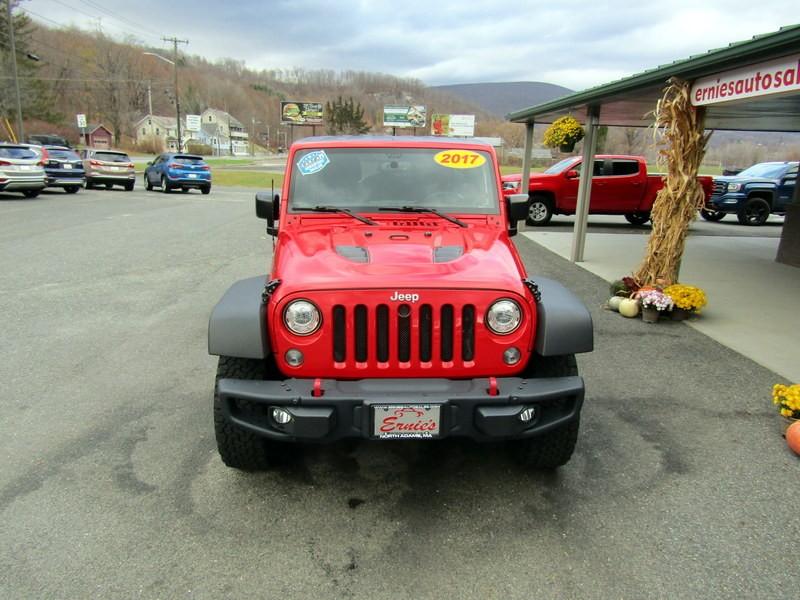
<point>613,302</point>
<point>629,308</point>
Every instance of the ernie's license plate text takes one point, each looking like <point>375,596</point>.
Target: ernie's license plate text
<point>395,421</point>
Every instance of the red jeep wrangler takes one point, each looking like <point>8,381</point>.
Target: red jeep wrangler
<point>396,307</point>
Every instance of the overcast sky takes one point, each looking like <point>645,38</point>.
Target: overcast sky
<point>576,44</point>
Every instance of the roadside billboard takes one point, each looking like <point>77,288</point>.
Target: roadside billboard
<point>453,125</point>
<point>404,116</point>
<point>301,113</point>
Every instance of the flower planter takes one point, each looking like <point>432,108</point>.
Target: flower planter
<point>679,314</point>
<point>650,314</point>
<point>567,147</point>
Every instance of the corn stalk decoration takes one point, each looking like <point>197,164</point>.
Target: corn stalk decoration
<point>680,134</point>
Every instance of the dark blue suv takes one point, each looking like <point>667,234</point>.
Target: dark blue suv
<point>172,171</point>
<point>753,194</point>
<point>63,168</point>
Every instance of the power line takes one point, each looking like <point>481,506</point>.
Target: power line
<point>120,18</point>
<point>98,79</point>
<point>35,14</point>
<point>92,16</point>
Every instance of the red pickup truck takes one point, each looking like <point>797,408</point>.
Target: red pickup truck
<point>620,186</point>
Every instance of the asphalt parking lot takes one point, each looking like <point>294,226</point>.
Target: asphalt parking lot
<point>110,486</point>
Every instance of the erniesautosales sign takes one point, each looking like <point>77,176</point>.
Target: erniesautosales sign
<point>774,77</point>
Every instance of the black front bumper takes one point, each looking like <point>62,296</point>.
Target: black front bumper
<point>345,408</point>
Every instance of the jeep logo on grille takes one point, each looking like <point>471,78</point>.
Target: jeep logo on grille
<point>398,297</point>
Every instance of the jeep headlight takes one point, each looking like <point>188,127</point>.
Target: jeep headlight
<point>301,317</point>
<point>504,316</point>
<point>734,187</point>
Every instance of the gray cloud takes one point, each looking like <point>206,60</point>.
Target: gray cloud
<point>577,44</point>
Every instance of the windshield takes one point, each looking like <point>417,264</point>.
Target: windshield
<point>63,154</point>
<point>366,179</point>
<point>18,152</point>
<point>768,170</point>
<point>111,157</point>
<point>188,160</point>
<point>560,166</point>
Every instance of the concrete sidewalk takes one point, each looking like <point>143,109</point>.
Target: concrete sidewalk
<point>752,300</point>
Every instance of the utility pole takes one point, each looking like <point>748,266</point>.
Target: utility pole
<point>175,41</point>
<point>20,131</point>
<point>149,99</point>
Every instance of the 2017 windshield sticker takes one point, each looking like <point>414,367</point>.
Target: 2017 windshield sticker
<point>459,159</point>
<point>313,162</point>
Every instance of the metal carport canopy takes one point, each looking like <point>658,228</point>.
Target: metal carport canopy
<point>629,102</point>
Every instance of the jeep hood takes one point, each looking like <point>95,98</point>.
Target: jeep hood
<point>346,256</point>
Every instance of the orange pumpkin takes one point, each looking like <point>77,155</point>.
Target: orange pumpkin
<point>793,437</point>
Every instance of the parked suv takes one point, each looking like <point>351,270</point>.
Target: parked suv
<point>754,194</point>
<point>21,169</point>
<point>178,171</point>
<point>397,307</point>
<point>109,168</point>
<point>63,168</point>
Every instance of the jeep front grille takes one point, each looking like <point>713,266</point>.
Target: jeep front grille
<point>403,333</point>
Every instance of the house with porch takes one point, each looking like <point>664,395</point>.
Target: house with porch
<point>161,130</point>
<point>226,130</point>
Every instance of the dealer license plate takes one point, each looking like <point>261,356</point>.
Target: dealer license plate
<point>66,166</point>
<point>403,421</point>
<point>192,175</point>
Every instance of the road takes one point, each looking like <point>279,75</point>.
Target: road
<point>111,487</point>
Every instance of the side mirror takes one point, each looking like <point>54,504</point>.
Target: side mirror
<point>269,207</point>
<point>517,209</point>
<point>572,174</point>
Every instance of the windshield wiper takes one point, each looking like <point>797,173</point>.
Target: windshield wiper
<point>423,209</point>
<point>336,209</point>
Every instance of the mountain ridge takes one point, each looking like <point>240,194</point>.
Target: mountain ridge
<point>503,97</point>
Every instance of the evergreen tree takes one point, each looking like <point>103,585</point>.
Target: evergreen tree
<point>35,97</point>
<point>345,117</point>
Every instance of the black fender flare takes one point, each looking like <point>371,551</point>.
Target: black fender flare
<point>563,323</point>
<point>237,325</point>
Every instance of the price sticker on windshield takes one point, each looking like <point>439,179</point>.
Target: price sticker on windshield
<point>459,159</point>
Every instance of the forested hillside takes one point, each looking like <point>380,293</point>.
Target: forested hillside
<point>108,80</point>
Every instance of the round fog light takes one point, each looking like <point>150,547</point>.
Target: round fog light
<point>511,356</point>
<point>281,416</point>
<point>294,358</point>
<point>527,414</point>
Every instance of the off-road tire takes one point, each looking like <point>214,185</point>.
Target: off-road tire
<point>30,193</point>
<point>712,215</point>
<point>637,218</point>
<point>165,187</point>
<point>554,448</point>
<point>239,448</point>
<point>72,189</point>
<point>755,212</point>
<point>540,210</point>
